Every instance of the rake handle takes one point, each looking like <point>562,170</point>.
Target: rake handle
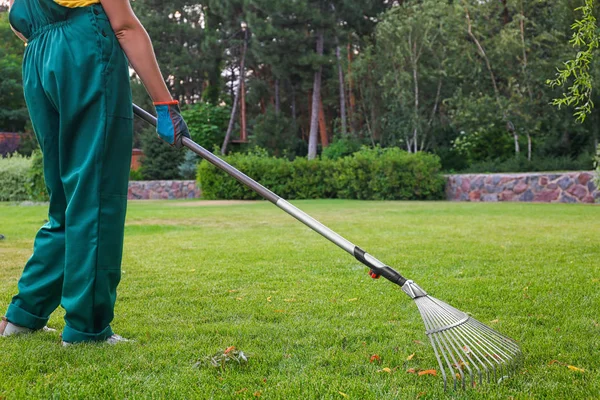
<point>376,266</point>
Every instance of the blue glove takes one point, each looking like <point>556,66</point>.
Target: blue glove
<point>170,125</point>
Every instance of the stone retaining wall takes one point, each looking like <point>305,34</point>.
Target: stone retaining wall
<point>162,190</point>
<point>568,187</point>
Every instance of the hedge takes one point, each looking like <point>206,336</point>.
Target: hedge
<point>13,178</point>
<point>370,174</point>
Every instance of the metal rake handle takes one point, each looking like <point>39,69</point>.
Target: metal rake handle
<point>377,267</point>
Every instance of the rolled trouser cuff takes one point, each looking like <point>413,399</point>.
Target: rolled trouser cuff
<point>71,335</point>
<point>20,317</point>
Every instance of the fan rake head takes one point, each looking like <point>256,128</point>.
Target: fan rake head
<point>467,351</point>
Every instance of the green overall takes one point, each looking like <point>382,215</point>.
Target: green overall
<point>76,81</point>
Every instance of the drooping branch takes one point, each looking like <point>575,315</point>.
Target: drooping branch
<point>237,94</point>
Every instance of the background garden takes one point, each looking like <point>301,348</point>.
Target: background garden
<point>462,86</point>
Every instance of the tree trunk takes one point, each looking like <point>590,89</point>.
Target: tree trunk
<point>243,130</point>
<point>528,147</point>
<point>323,125</point>
<point>277,99</point>
<point>482,53</point>
<point>351,96</point>
<point>415,71</point>
<point>294,112</point>
<point>237,95</point>
<point>342,90</point>
<point>316,96</point>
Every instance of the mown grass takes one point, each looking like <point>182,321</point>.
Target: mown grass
<point>198,279</point>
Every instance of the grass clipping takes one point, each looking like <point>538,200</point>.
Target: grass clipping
<point>221,359</point>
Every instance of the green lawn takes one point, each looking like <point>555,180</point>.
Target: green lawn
<point>198,279</point>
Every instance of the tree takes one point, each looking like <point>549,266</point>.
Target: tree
<point>586,37</point>
<point>13,110</point>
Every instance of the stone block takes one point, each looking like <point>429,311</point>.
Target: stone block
<point>507,195</point>
<point>565,198</point>
<point>475,195</point>
<point>520,188</point>
<point>565,182</point>
<point>489,198</point>
<point>578,191</point>
<point>527,196</point>
<point>547,196</point>
<point>585,177</point>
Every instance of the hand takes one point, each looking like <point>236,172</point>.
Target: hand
<point>170,125</point>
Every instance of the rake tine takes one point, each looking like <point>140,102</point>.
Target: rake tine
<point>462,343</point>
<point>457,364</point>
<point>455,340</point>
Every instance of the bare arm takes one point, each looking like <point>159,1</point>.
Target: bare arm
<point>13,29</point>
<point>136,44</point>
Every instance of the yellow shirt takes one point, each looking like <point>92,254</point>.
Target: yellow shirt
<point>76,3</point>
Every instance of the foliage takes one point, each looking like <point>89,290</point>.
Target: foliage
<point>189,166</point>
<point>136,175</point>
<point>28,143</point>
<point>13,111</point>
<point>274,133</point>
<point>161,161</point>
<point>586,37</point>
<point>389,174</point>
<point>13,178</point>
<point>207,123</point>
<point>36,185</point>
<point>537,164</point>
<point>341,147</point>
<point>370,174</point>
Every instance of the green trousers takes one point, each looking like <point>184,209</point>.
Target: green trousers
<point>76,82</point>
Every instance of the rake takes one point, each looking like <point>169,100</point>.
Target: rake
<point>466,350</point>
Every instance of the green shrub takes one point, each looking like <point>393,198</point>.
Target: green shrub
<point>36,186</point>
<point>13,178</point>
<point>341,147</point>
<point>370,174</point>
<point>136,175</point>
<point>161,161</point>
<point>207,123</point>
<point>537,164</point>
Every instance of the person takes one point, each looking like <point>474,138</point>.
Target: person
<point>76,83</point>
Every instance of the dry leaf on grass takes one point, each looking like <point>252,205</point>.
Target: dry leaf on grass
<point>419,342</point>
<point>386,369</point>
<point>571,367</point>
<point>354,299</point>
<point>495,321</point>
<point>374,358</point>
<point>343,394</point>
<point>257,394</point>
<point>269,299</point>
<point>411,371</point>
<point>410,357</point>
<point>428,372</point>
